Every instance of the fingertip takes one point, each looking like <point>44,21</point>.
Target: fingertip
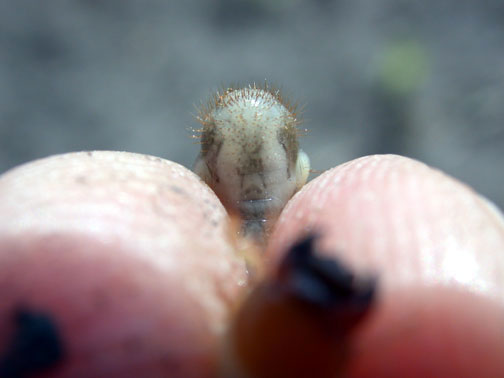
<point>399,217</point>
<point>434,332</point>
<point>434,245</point>
<point>127,254</point>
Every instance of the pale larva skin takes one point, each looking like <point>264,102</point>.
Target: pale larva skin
<point>250,155</point>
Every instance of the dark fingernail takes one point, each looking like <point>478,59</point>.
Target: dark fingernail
<point>35,346</point>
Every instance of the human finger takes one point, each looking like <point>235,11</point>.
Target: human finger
<point>437,249</point>
<point>121,259</point>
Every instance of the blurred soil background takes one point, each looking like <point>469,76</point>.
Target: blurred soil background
<point>423,79</point>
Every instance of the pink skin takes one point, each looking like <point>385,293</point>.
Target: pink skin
<point>130,255</point>
<point>133,258</point>
<point>438,250</point>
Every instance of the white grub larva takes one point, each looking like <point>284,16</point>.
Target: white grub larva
<point>250,154</point>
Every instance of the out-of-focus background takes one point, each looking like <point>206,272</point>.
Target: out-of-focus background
<point>420,78</point>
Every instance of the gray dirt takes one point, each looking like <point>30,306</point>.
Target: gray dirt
<point>420,78</point>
